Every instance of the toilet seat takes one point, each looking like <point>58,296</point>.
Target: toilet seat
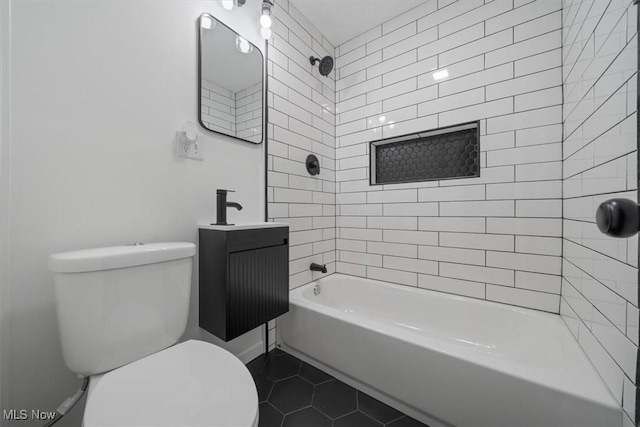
<point>190,384</point>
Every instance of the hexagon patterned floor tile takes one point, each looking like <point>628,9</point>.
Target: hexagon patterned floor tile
<point>356,419</point>
<point>281,367</point>
<point>293,393</point>
<point>314,375</point>
<point>264,386</point>
<point>307,417</point>
<point>335,399</point>
<point>269,416</point>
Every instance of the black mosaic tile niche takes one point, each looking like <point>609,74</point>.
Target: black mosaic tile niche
<point>445,153</point>
<point>293,393</point>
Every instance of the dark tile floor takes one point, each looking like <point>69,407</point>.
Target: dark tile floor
<point>293,393</point>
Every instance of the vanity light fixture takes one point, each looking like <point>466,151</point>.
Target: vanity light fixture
<point>230,4</point>
<point>265,20</point>
<point>243,45</point>
<point>265,15</point>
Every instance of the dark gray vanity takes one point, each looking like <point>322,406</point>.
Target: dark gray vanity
<point>244,277</point>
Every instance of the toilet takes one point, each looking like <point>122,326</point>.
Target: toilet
<point>121,311</point>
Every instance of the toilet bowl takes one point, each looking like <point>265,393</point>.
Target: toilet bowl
<point>121,310</point>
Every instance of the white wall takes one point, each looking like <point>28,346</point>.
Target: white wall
<point>98,90</point>
<point>4,197</point>
<point>496,237</point>
<point>600,274</point>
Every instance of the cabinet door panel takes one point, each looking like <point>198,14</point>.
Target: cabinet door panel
<point>258,288</point>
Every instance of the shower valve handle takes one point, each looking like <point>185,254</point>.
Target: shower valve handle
<point>618,218</point>
<point>313,165</point>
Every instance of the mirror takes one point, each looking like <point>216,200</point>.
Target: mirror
<point>231,76</point>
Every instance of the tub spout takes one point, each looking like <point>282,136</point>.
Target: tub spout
<point>317,267</point>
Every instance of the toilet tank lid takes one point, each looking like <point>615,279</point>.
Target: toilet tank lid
<point>119,256</point>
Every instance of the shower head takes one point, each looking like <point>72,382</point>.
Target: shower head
<point>326,64</point>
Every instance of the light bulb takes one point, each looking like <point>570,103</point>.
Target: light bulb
<point>227,4</point>
<point>207,22</point>
<point>243,45</point>
<point>265,20</point>
<point>265,33</point>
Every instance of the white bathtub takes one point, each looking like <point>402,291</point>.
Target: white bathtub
<point>447,360</point>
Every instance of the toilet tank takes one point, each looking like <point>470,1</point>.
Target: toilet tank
<point>118,304</point>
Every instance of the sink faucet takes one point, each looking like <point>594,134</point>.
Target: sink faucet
<point>222,205</point>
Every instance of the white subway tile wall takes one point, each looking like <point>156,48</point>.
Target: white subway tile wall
<point>249,113</point>
<point>600,275</point>
<point>218,107</point>
<point>301,108</point>
<point>237,114</point>
<point>553,85</point>
<point>495,237</point>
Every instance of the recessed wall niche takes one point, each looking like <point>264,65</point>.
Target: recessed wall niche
<point>445,153</point>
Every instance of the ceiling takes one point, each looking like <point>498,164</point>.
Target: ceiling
<point>341,20</point>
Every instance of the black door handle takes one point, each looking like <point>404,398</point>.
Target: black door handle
<point>618,218</point>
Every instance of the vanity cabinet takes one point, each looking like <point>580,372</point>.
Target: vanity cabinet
<point>243,277</point>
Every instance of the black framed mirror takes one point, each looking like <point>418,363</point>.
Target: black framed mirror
<point>231,76</point>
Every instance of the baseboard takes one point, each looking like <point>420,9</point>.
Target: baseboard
<point>252,352</point>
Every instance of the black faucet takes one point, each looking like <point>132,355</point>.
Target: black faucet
<point>317,267</point>
<point>222,205</point>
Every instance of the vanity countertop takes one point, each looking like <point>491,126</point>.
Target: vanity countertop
<point>237,227</point>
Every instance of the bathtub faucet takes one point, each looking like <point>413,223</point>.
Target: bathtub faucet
<point>317,267</point>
